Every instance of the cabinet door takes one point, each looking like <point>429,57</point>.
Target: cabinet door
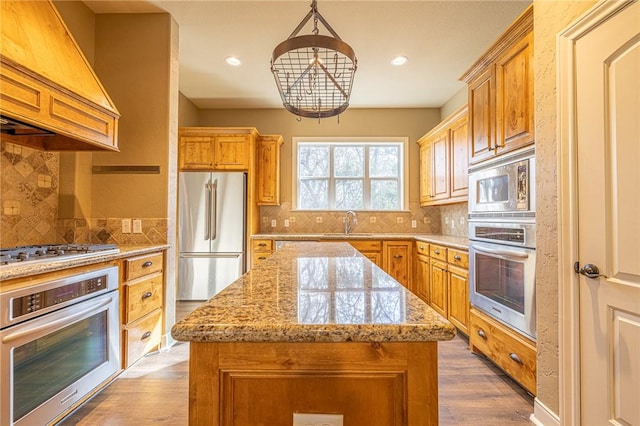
<point>232,152</point>
<point>425,173</point>
<point>421,282</point>
<point>268,173</point>
<point>440,167</point>
<point>439,288</point>
<point>514,96</point>
<point>195,153</point>
<point>459,298</point>
<point>397,260</point>
<point>482,123</point>
<point>459,147</point>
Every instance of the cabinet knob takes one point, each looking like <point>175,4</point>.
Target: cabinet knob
<point>397,256</point>
<point>482,334</point>
<point>516,358</point>
<point>456,257</point>
<point>147,295</point>
<point>147,264</point>
<point>421,247</point>
<point>436,251</point>
<point>146,335</point>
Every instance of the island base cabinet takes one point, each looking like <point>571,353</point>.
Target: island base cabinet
<point>248,384</point>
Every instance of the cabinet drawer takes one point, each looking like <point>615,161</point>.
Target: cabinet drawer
<point>422,248</point>
<point>514,353</point>
<point>143,336</point>
<point>136,267</point>
<point>261,246</point>
<point>143,296</point>
<point>458,258</point>
<point>258,257</point>
<point>438,252</point>
<point>366,245</point>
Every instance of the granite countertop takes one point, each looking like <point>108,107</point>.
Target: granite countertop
<point>447,240</point>
<point>27,269</point>
<point>307,292</point>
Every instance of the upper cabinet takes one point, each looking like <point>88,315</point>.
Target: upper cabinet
<point>215,148</point>
<point>444,161</point>
<point>268,170</point>
<point>51,97</point>
<point>501,115</point>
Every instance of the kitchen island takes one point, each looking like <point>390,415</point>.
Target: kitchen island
<point>315,328</point>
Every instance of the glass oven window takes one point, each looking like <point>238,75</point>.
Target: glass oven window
<point>494,189</point>
<point>47,365</point>
<point>500,280</point>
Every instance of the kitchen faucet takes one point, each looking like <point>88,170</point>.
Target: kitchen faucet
<point>349,220</point>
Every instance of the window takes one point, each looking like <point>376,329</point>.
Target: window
<point>349,175</point>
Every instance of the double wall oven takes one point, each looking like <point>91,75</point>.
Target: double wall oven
<point>502,228</point>
<point>59,341</point>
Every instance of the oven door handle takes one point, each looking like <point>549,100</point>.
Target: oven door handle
<point>505,253</point>
<point>53,325</point>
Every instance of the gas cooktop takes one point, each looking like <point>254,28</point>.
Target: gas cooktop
<point>52,252</point>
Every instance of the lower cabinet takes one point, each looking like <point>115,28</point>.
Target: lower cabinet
<point>141,301</point>
<point>260,250</point>
<point>396,258</point>
<point>421,275</point>
<point>511,351</point>
<point>372,250</point>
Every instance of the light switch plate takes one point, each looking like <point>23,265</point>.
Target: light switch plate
<point>137,226</point>
<point>307,419</point>
<point>126,226</point>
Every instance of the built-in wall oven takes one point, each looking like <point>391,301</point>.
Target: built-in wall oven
<point>60,341</point>
<point>502,228</point>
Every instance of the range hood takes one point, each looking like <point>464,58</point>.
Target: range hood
<point>50,97</point>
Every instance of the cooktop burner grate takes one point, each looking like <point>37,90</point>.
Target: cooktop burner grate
<point>51,251</point>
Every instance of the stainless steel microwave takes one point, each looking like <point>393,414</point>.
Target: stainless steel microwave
<point>503,189</point>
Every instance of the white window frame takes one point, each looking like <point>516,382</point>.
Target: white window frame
<point>404,172</point>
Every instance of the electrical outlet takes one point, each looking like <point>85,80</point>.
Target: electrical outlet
<point>399,219</point>
<point>304,419</point>
<point>273,223</point>
<point>372,219</point>
<point>137,226</point>
<point>126,226</point>
<point>318,219</point>
<point>286,223</point>
<point>453,224</point>
<point>414,223</point>
<point>462,220</point>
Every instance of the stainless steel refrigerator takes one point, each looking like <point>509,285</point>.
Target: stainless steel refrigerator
<point>211,232</point>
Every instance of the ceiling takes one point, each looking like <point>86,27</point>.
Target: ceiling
<point>440,38</point>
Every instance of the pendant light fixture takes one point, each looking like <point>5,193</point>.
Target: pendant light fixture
<point>314,73</point>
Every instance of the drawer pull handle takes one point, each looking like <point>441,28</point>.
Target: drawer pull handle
<point>262,245</point>
<point>262,258</point>
<point>515,357</point>
<point>482,334</point>
<point>436,251</point>
<point>421,247</point>
<point>147,295</point>
<point>456,257</point>
<point>146,335</point>
<point>397,256</point>
<point>147,264</point>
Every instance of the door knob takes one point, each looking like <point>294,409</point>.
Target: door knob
<point>589,270</point>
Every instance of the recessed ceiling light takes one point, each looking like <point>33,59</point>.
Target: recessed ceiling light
<point>399,60</point>
<point>232,60</point>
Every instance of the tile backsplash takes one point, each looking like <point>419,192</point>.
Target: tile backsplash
<point>454,220</point>
<point>29,204</point>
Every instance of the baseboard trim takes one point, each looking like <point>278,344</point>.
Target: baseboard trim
<point>543,416</point>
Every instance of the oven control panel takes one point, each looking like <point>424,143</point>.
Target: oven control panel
<point>35,301</point>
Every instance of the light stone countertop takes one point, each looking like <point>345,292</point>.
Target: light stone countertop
<point>309,292</point>
<point>447,240</point>
<point>26,269</point>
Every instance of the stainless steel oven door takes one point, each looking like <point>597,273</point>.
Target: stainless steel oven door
<point>503,188</point>
<point>502,284</point>
<point>51,362</point>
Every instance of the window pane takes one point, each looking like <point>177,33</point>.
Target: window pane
<point>384,195</point>
<point>313,194</point>
<point>384,161</point>
<point>348,161</point>
<point>350,273</point>
<point>313,161</point>
<point>349,194</point>
<point>349,307</point>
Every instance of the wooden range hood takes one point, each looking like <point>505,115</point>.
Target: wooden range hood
<point>50,97</point>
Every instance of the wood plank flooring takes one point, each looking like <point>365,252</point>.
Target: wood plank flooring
<point>156,391</point>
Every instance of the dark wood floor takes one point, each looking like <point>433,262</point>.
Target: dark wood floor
<point>155,391</point>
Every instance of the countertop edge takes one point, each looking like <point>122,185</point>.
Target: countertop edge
<point>446,240</point>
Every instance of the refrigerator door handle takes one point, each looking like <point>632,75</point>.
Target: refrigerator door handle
<point>207,227</point>
<point>214,210</point>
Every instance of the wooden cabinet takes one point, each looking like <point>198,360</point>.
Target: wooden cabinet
<point>511,351</point>
<point>501,109</point>
<point>444,161</point>
<point>439,288</point>
<point>215,148</point>
<point>421,274</point>
<point>268,170</point>
<point>142,296</point>
<point>458,297</point>
<point>260,250</point>
<point>396,257</point>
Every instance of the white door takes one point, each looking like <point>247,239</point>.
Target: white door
<point>608,168</point>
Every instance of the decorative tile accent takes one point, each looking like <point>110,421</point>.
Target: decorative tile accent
<point>109,231</point>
